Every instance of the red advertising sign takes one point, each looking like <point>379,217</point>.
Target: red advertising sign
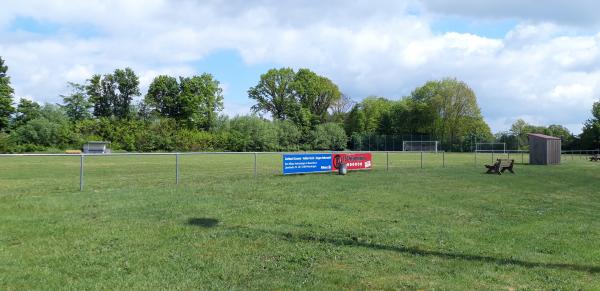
<point>353,161</point>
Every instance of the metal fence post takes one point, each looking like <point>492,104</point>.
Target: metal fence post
<point>492,157</point>
<point>443,159</point>
<point>421,159</point>
<point>81,172</point>
<point>522,159</point>
<point>255,170</point>
<point>387,161</point>
<point>177,168</point>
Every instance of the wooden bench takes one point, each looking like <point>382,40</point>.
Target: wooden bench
<point>595,158</point>
<point>500,166</point>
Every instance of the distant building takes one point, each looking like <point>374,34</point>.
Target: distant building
<point>96,147</point>
<point>544,149</point>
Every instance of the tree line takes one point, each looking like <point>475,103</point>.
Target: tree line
<point>293,110</point>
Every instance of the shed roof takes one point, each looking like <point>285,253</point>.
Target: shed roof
<point>542,136</point>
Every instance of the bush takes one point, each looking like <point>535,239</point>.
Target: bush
<point>329,136</point>
<point>252,133</point>
<point>198,141</point>
<point>44,132</point>
<point>288,136</point>
<point>6,143</point>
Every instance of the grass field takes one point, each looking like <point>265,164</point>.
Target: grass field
<point>223,228</point>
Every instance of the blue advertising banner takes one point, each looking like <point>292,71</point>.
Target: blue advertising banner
<point>306,163</point>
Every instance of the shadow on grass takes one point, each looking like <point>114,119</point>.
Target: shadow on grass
<point>354,242</point>
<point>202,222</point>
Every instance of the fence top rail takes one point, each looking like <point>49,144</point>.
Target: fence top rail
<point>221,153</point>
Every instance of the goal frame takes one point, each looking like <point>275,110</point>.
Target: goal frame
<point>434,142</point>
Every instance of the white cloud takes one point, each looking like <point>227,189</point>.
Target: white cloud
<point>539,71</point>
<point>573,12</point>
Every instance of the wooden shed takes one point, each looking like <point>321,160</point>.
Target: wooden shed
<point>544,149</point>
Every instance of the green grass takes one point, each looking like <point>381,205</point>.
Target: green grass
<point>222,228</point>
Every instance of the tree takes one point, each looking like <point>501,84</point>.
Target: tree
<point>356,121</point>
<point>128,85</point>
<point>6,97</point>
<point>407,117</point>
<point>27,110</point>
<point>194,101</point>
<point>329,136</point>
<point>112,94</point>
<point>454,102</point>
<point>340,108</point>
<point>201,100</point>
<point>76,105</point>
<point>374,108</point>
<point>596,110</point>
<point>274,94</point>
<point>163,97</point>
<point>49,129</point>
<point>590,135</point>
<point>302,97</point>
<point>315,93</point>
<point>288,135</point>
<point>102,103</point>
<point>252,133</point>
<point>519,129</point>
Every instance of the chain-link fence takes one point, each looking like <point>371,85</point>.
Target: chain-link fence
<point>98,171</point>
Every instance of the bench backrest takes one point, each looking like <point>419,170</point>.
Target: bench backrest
<point>505,162</point>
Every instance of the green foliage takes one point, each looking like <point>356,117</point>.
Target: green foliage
<point>198,141</point>
<point>27,110</point>
<point>329,136</point>
<point>111,94</point>
<point>274,94</point>
<point>590,135</point>
<point>252,133</point>
<point>202,99</point>
<point>456,108</point>
<point>302,97</point>
<point>596,110</point>
<point>6,97</point>
<point>50,129</point>
<point>355,123</point>
<point>163,97</point>
<point>7,143</point>
<point>128,86</point>
<point>407,116</point>
<point>366,116</point>
<point>100,91</point>
<point>288,135</point>
<point>517,135</point>
<point>315,93</point>
<point>76,105</point>
<point>340,109</point>
<point>194,102</point>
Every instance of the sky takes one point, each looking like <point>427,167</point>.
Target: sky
<point>534,60</point>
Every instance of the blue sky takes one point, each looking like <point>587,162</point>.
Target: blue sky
<point>524,59</point>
